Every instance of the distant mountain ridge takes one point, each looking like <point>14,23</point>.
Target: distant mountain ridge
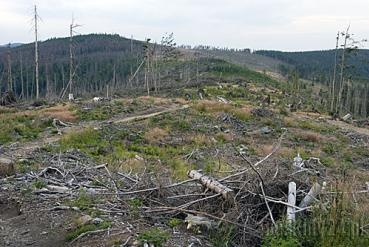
<point>12,45</point>
<point>318,65</point>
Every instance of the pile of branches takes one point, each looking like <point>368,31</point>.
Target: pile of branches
<point>8,98</point>
<point>245,202</point>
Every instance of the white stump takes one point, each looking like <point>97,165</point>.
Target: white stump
<point>291,202</point>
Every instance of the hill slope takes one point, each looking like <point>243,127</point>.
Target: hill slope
<point>319,64</point>
<point>245,57</point>
<point>97,56</point>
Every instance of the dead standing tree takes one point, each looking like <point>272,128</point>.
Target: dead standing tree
<point>148,51</point>
<point>333,85</point>
<point>72,69</point>
<point>349,46</point>
<point>347,36</point>
<point>35,20</point>
<point>9,60</point>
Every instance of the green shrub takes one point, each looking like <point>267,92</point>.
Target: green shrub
<point>39,184</point>
<point>87,228</point>
<point>83,201</point>
<point>283,235</point>
<point>222,236</point>
<point>336,223</point>
<point>154,236</point>
<point>174,222</point>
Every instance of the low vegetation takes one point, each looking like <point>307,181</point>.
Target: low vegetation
<point>154,236</point>
<point>127,165</point>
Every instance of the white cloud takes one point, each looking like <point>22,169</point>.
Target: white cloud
<point>260,24</point>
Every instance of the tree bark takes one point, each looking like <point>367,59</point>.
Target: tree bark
<point>311,196</point>
<point>291,201</point>
<point>212,184</point>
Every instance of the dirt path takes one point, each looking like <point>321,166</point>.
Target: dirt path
<point>142,117</point>
<point>21,150</point>
<point>349,127</point>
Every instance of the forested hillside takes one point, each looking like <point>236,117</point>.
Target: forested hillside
<point>99,59</point>
<point>318,65</point>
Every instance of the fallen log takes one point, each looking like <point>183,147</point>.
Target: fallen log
<point>212,184</point>
<point>311,196</point>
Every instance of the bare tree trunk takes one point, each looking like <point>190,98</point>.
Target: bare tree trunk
<point>364,102</point>
<point>21,75</point>
<point>71,58</point>
<point>27,85</point>
<point>147,75</point>
<point>333,89</point>
<point>63,77</point>
<point>72,70</point>
<point>341,82</point>
<point>10,79</point>
<point>36,55</point>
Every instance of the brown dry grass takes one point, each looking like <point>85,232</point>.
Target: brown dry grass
<point>212,106</point>
<point>224,137</point>
<point>132,165</point>
<point>155,100</point>
<point>285,152</point>
<point>61,112</point>
<point>156,135</point>
<point>7,116</point>
<point>200,140</point>
<point>180,101</point>
<point>309,136</point>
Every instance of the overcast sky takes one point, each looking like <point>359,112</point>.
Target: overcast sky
<point>258,24</point>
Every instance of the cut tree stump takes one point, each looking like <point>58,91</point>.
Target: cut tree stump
<point>6,167</point>
<point>291,201</point>
<point>212,184</point>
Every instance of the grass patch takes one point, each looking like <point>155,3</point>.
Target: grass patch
<point>336,223</point>
<point>83,201</point>
<point>154,236</point>
<point>87,228</point>
<point>104,111</point>
<point>174,222</point>
<point>39,184</point>
<point>92,142</point>
<point>21,127</point>
<point>225,69</point>
<point>155,135</point>
<point>179,168</point>
<point>89,141</point>
<point>208,106</point>
<point>222,236</point>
